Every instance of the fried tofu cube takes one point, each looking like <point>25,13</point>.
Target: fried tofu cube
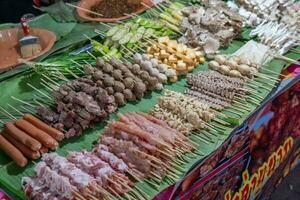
<point>172,44</point>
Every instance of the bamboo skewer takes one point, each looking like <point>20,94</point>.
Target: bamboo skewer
<point>24,102</point>
<point>19,112</point>
<point>39,91</point>
<point>6,113</point>
<point>27,109</point>
<point>86,10</point>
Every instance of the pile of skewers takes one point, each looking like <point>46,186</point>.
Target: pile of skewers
<point>176,56</point>
<point>231,80</point>
<point>271,10</point>
<point>280,37</point>
<point>28,138</point>
<point>216,90</point>
<point>124,80</point>
<point>186,113</point>
<point>125,38</point>
<point>136,148</point>
<point>79,104</point>
<point>234,66</point>
<point>209,27</point>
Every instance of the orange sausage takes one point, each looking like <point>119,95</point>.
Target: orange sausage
<point>37,134</point>
<point>24,149</point>
<point>22,137</point>
<point>56,134</point>
<point>13,152</point>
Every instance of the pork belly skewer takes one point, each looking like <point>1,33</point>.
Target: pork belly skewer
<point>116,163</point>
<point>163,124</point>
<point>50,183</point>
<point>103,173</point>
<point>134,156</point>
<point>165,134</point>
<point>134,130</point>
<point>142,144</point>
<point>77,177</point>
<point>35,189</point>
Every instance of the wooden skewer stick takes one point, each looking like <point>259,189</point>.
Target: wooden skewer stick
<point>24,102</point>
<point>62,76</point>
<point>51,80</point>
<point>77,63</point>
<point>92,55</point>
<point>78,196</point>
<point>142,192</point>
<point>129,15</point>
<point>134,176</point>
<point>19,112</point>
<point>39,91</point>
<point>294,37</point>
<point>50,86</point>
<point>2,122</point>
<point>27,109</point>
<point>74,75</point>
<point>46,86</point>
<point>114,192</point>
<point>264,76</point>
<point>160,7</point>
<point>86,10</point>
<point>122,183</point>
<point>270,71</point>
<point>289,60</point>
<point>258,85</point>
<point>38,103</point>
<point>103,191</point>
<point>295,50</point>
<point>104,24</point>
<point>155,175</point>
<point>100,33</point>
<point>7,114</point>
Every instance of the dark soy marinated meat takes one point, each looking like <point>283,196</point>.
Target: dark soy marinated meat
<point>80,104</point>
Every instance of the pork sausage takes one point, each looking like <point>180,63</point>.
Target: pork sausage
<point>56,134</point>
<point>24,149</point>
<point>22,137</point>
<point>37,134</point>
<point>13,152</point>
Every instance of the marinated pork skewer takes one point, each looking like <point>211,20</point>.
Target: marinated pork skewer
<point>101,170</point>
<point>48,177</point>
<point>77,177</point>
